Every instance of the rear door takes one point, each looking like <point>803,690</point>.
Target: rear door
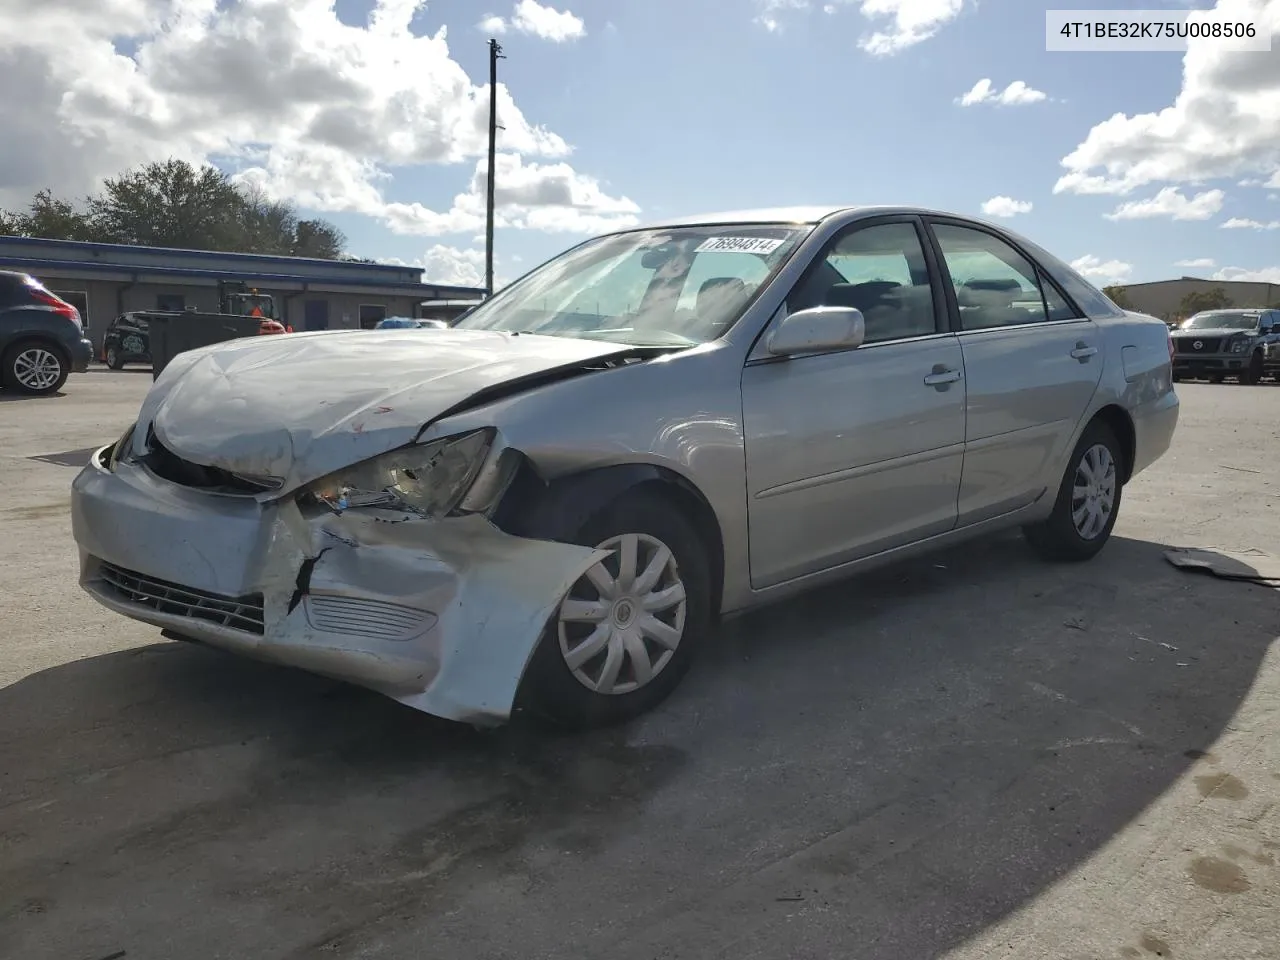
<point>1032,362</point>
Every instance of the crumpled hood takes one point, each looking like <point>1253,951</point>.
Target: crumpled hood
<point>300,406</point>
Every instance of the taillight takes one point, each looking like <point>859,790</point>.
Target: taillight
<point>58,305</point>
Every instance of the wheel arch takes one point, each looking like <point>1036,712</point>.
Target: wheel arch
<point>1120,423</point>
<point>557,509</point>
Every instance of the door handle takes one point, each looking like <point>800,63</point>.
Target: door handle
<point>1083,352</point>
<point>941,378</point>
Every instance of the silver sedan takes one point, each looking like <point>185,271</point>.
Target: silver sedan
<point>552,503</point>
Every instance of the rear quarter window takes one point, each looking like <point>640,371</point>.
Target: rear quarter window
<point>1087,297</point>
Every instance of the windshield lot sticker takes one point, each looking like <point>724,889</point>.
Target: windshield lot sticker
<point>764,245</point>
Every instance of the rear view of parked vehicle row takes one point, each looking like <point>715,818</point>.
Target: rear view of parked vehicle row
<point>42,337</point>
<point>549,505</point>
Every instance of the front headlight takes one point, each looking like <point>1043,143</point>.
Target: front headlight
<point>1239,345</point>
<point>431,478</point>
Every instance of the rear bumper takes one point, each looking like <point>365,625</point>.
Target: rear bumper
<point>440,615</point>
<point>1154,424</point>
<point>81,353</point>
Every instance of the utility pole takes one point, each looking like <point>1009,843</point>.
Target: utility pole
<point>495,54</point>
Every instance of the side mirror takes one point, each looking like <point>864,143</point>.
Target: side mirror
<point>817,329</point>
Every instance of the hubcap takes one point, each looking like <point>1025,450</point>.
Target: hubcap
<point>37,368</point>
<point>622,621</point>
<point>1093,495</point>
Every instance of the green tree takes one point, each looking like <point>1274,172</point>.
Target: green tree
<point>1119,296</point>
<point>1199,300</point>
<point>319,238</point>
<point>170,204</point>
<point>50,217</point>
<point>178,204</point>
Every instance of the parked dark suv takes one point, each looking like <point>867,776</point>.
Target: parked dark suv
<point>127,340</point>
<point>41,337</point>
<point>1225,343</point>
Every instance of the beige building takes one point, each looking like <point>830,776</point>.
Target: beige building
<point>1163,298</point>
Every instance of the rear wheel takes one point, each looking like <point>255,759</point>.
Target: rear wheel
<point>34,367</point>
<point>626,633</point>
<point>1084,512</point>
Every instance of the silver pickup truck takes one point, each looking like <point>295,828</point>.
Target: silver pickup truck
<point>1228,343</point>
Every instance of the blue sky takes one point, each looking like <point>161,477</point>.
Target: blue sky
<point>625,110</point>
<point>689,105</point>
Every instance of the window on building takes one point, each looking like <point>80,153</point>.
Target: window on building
<point>371,314</point>
<point>171,302</point>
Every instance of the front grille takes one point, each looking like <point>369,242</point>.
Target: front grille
<point>1207,345</point>
<point>167,465</point>
<point>240,613</point>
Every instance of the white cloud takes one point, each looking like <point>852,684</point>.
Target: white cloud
<point>315,110</point>
<point>910,22</point>
<point>453,266</point>
<point>901,23</point>
<point>1265,275</point>
<point>1225,121</point>
<point>1102,271</point>
<point>1006,207</point>
<point>1200,263</point>
<point>1244,223</point>
<point>1274,182</point>
<point>1169,202</point>
<point>769,12</point>
<point>1016,93</point>
<point>531,17</point>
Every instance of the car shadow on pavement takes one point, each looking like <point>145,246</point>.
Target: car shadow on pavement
<point>879,769</point>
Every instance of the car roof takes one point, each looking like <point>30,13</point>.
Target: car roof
<point>803,214</point>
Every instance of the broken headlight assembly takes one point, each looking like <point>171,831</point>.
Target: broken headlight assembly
<point>462,473</point>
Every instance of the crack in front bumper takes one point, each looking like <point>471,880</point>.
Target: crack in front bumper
<point>442,615</point>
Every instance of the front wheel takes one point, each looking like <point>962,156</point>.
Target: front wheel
<point>113,359</point>
<point>1084,512</point>
<point>626,633</point>
<point>34,368</point>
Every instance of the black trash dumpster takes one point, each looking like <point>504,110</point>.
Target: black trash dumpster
<point>174,333</point>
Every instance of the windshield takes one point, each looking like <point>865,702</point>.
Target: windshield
<point>1222,320</point>
<point>676,287</point>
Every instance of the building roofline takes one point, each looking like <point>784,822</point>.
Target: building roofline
<point>6,241</point>
<point>251,278</point>
<point>1228,283</point>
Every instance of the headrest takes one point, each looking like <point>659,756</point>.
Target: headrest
<point>861,296</point>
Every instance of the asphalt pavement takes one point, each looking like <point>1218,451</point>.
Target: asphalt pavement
<point>972,755</point>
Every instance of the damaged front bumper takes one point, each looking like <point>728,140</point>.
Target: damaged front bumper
<point>441,615</point>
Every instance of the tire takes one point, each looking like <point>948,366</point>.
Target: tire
<point>1252,374</point>
<point>34,367</point>
<point>1059,538</point>
<point>551,690</point>
<point>113,359</point>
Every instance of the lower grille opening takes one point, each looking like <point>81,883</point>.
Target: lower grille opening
<point>240,613</point>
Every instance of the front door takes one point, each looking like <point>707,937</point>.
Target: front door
<point>855,452</point>
<point>1032,363</point>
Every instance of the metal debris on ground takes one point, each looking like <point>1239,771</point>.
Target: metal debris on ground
<point>1253,566</point>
